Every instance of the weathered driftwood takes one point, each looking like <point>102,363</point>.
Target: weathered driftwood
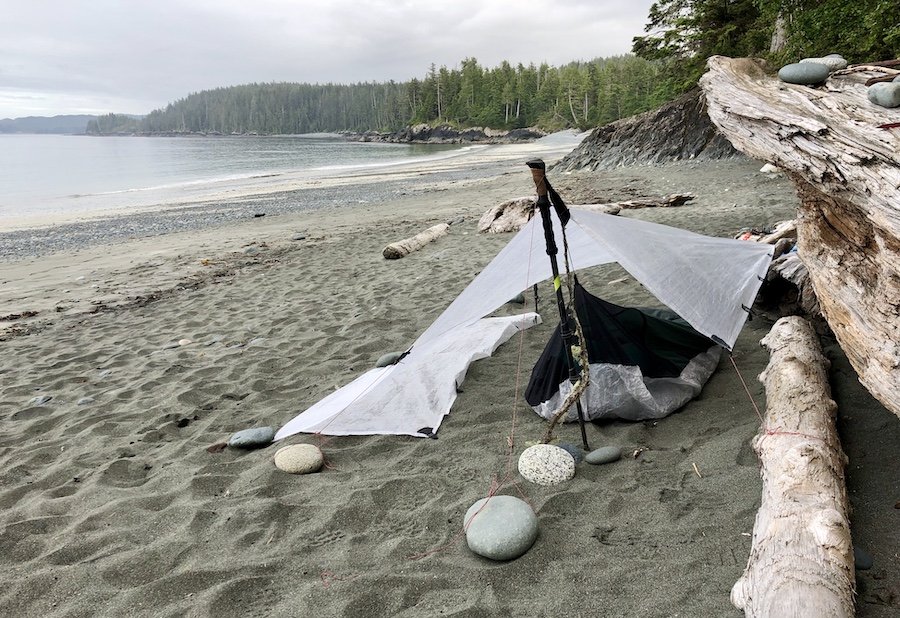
<point>666,201</point>
<point>508,216</point>
<point>511,215</point>
<point>801,559</point>
<point>406,246</point>
<point>790,268</point>
<point>847,173</point>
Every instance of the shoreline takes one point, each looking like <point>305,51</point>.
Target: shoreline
<point>115,507</point>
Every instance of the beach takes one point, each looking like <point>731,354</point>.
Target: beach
<point>151,348</point>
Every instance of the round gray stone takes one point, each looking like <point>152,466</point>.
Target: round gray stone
<point>604,454</point>
<point>388,359</point>
<point>500,527</point>
<point>574,450</point>
<point>252,438</point>
<point>804,73</point>
<point>518,299</point>
<point>546,464</point>
<point>885,94</point>
<point>299,459</point>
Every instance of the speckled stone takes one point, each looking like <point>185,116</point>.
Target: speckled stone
<point>388,359</point>
<point>885,94</point>
<point>299,459</point>
<point>500,527</point>
<point>546,464</point>
<point>834,63</point>
<point>804,73</point>
<point>252,438</point>
<point>604,454</point>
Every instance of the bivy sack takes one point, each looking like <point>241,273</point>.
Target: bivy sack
<point>644,363</point>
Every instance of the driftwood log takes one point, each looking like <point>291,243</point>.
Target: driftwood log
<point>846,169</point>
<point>801,560</point>
<point>512,215</point>
<point>406,246</point>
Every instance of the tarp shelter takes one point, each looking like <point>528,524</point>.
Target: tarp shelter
<point>707,281</point>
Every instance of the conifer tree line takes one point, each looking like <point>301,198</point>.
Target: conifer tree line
<point>580,94</point>
<point>667,61</point>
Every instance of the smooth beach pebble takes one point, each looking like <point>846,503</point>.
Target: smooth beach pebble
<point>388,359</point>
<point>184,342</point>
<point>252,438</point>
<point>574,450</point>
<point>604,454</point>
<point>84,401</point>
<point>39,400</point>
<point>299,459</point>
<point>546,464</point>
<point>803,73</point>
<point>834,63</point>
<point>500,527</point>
<point>885,94</point>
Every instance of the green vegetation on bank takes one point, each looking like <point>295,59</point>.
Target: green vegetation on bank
<point>580,94</point>
<point>681,34</point>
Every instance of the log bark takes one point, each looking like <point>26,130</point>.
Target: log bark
<point>801,560</point>
<point>847,173</point>
<point>406,246</point>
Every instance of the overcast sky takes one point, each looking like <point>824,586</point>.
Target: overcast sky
<point>133,56</point>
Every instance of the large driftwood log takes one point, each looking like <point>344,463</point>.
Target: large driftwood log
<point>801,560</point>
<point>847,172</point>
<point>406,246</point>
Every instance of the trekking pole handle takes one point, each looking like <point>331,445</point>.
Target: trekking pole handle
<point>539,175</point>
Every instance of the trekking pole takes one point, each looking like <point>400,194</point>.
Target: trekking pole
<point>538,173</point>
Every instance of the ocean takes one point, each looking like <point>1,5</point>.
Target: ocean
<point>53,175</point>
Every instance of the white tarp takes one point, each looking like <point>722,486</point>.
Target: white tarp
<point>707,281</point>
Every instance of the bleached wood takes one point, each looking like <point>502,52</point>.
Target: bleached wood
<point>512,215</point>
<point>801,559</point>
<point>847,173</point>
<point>406,246</point>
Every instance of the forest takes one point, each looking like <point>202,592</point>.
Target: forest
<point>666,62</point>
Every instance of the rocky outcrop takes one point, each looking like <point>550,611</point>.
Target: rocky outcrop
<point>445,134</point>
<point>677,131</point>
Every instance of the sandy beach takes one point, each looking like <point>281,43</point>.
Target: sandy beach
<point>111,504</point>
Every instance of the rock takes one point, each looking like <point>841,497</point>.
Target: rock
<point>768,168</point>
<point>252,438</point>
<point>184,342</point>
<point>500,527</point>
<point>803,73</point>
<point>251,250</point>
<point>39,400</point>
<point>639,140</point>
<point>885,94</point>
<point>298,237</point>
<point>299,459</point>
<point>604,454</point>
<point>84,401</point>
<point>833,62</point>
<point>574,450</point>
<point>517,300</point>
<point>257,342</point>
<point>388,359</point>
<point>546,464</point>
<point>862,560</point>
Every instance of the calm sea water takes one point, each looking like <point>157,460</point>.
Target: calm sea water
<point>53,174</point>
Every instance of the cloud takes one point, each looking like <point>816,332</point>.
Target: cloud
<point>84,55</point>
